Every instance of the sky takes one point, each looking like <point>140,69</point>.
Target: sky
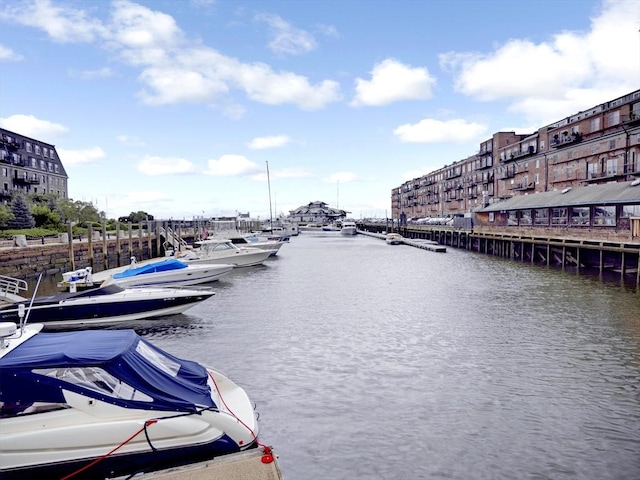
<point>180,108</point>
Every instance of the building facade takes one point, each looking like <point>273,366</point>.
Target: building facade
<point>596,146</point>
<point>29,166</point>
<point>316,212</point>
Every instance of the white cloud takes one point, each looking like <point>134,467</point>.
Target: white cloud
<point>275,141</point>
<point>232,166</point>
<point>62,24</point>
<point>152,165</point>
<point>569,72</point>
<point>91,74</point>
<point>341,177</point>
<point>6,54</point>
<point>80,157</point>
<point>30,126</point>
<point>175,69</point>
<point>392,81</point>
<point>436,131</point>
<point>130,141</point>
<point>286,38</point>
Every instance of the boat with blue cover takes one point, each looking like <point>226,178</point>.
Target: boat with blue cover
<point>107,403</point>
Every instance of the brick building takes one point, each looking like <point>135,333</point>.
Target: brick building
<point>596,146</point>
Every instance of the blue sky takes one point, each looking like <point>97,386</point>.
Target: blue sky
<point>175,107</point>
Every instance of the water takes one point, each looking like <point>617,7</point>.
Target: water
<point>369,361</point>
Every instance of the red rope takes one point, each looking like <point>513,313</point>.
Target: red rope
<point>99,459</point>
<point>268,455</point>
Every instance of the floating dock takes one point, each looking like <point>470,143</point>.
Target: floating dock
<point>255,464</point>
<point>418,243</point>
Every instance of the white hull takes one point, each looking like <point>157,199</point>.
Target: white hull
<point>224,252</point>
<point>193,275</point>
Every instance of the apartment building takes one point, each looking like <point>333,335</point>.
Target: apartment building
<point>29,166</point>
<point>596,146</point>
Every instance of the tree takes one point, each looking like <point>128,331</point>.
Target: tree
<point>5,215</point>
<point>45,218</point>
<point>22,218</point>
<point>77,211</point>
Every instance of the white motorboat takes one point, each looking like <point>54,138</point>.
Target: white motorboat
<point>394,239</point>
<point>169,272</point>
<point>254,241</point>
<point>349,228</point>
<point>97,404</point>
<point>110,304</point>
<point>223,250</point>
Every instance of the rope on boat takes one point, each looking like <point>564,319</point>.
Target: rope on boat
<point>99,459</point>
<point>267,456</point>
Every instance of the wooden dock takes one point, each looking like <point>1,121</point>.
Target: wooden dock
<point>255,464</point>
<point>418,243</point>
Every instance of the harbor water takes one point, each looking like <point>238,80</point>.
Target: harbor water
<point>369,361</point>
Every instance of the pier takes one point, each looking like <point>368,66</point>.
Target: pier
<point>582,254</point>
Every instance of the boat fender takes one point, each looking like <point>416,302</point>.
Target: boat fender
<point>267,456</point>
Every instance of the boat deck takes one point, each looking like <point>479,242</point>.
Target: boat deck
<point>246,465</point>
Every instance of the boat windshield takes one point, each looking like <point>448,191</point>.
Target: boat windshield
<point>96,379</point>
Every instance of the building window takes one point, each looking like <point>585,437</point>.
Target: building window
<point>541,216</point>
<point>612,144</point>
<point>614,118</point>
<point>594,124</point>
<point>631,211</point>
<point>612,166</point>
<point>559,216</point>
<point>37,149</point>
<point>43,166</point>
<point>569,172</point>
<point>512,218</point>
<point>28,146</point>
<point>592,170</point>
<point>580,216</point>
<point>525,217</point>
<point>604,216</point>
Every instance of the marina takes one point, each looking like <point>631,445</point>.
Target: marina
<point>452,365</point>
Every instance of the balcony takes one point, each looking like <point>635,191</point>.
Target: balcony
<point>26,181</point>
<point>10,144</point>
<point>522,187</point>
<point>559,141</point>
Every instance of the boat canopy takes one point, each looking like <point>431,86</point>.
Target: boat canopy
<point>161,266</point>
<point>117,367</point>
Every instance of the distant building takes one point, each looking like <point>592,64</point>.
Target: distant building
<point>597,146</point>
<point>316,212</point>
<point>29,166</point>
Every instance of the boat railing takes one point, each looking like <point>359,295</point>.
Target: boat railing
<point>10,288</point>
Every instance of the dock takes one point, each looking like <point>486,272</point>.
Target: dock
<point>430,245</point>
<point>255,464</point>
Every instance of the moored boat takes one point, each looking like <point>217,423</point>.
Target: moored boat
<point>349,228</point>
<point>104,305</point>
<point>218,251</point>
<point>107,403</point>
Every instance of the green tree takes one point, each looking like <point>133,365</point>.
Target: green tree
<point>22,217</point>
<point>78,211</point>
<point>5,215</point>
<point>45,217</point>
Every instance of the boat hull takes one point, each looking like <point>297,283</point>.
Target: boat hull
<point>120,465</point>
<point>107,309</point>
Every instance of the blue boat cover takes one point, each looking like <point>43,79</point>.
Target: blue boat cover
<point>161,266</point>
<point>160,380</point>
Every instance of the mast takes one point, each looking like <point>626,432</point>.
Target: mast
<point>270,209</point>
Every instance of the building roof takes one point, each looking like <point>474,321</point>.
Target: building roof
<point>604,194</point>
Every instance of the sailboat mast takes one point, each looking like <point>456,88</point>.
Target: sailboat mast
<point>270,209</point>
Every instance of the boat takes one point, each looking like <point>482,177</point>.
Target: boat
<point>168,272</point>
<point>222,250</point>
<point>109,304</point>
<point>95,404</point>
<point>77,279</point>
<point>349,228</point>
<point>394,239</point>
<point>253,240</point>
